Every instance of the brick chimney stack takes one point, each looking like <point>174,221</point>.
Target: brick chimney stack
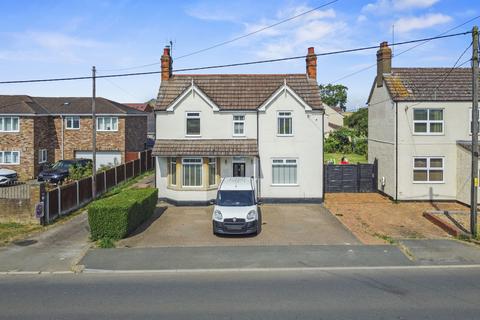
<point>384,62</point>
<point>311,61</point>
<point>166,62</point>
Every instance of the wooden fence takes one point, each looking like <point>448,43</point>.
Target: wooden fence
<point>67,198</point>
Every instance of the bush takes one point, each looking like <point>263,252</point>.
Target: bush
<point>116,216</point>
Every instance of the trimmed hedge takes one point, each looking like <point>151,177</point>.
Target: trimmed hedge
<point>116,216</point>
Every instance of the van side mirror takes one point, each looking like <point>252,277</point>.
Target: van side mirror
<point>212,202</point>
<point>259,202</point>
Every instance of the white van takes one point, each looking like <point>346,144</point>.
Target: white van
<point>236,210</point>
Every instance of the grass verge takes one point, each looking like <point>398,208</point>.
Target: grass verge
<point>13,231</point>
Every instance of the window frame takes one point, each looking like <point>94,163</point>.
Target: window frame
<point>284,162</point>
<point>173,171</point>
<point>2,158</point>
<point>111,122</point>
<point>234,122</point>
<point>2,124</point>
<point>188,117</point>
<point>42,156</point>
<point>280,115</point>
<point>214,162</point>
<point>428,168</point>
<point>185,162</point>
<point>428,122</point>
<point>72,119</point>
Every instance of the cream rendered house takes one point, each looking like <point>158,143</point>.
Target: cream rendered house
<point>419,128</point>
<point>265,126</point>
<point>333,119</point>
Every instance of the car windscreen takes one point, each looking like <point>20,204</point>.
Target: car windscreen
<point>235,198</point>
<point>62,165</point>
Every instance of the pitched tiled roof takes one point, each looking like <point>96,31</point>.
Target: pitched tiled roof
<point>429,84</point>
<point>239,91</point>
<point>205,147</point>
<point>145,107</point>
<point>22,104</point>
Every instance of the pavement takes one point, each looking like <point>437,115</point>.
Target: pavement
<point>57,249</point>
<point>301,224</point>
<point>434,293</point>
<point>442,252</point>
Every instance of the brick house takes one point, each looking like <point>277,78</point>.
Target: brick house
<point>39,130</point>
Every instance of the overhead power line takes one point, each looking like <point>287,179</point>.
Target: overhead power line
<point>233,64</point>
<point>234,39</point>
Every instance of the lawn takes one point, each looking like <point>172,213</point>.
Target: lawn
<point>352,157</point>
<point>11,231</point>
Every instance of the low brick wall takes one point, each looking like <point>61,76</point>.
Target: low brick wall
<point>21,210</point>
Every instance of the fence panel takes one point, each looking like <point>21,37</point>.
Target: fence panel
<point>136,167</point>
<point>143,159</point>
<point>110,178</point>
<point>53,204</point>
<point>120,173</point>
<point>350,178</point>
<point>16,191</point>
<point>129,169</point>
<point>85,190</point>
<point>100,183</point>
<point>68,199</point>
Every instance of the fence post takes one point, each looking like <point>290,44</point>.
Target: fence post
<point>125,171</point>
<point>105,181</point>
<point>78,193</point>
<point>140,160</point>
<point>47,206</point>
<point>116,182</point>
<point>59,201</point>
<point>133,169</point>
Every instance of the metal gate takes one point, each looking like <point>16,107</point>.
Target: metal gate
<point>351,177</point>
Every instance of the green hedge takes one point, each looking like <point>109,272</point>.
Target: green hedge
<point>116,216</point>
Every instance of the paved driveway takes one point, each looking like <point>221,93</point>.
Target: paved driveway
<point>282,225</point>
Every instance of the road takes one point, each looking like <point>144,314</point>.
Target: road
<point>381,293</point>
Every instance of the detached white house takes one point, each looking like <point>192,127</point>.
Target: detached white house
<point>419,130</point>
<point>265,126</point>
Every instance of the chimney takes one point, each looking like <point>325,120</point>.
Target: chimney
<point>166,64</point>
<point>311,61</point>
<point>384,62</point>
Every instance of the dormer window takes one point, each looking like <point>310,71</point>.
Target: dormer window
<point>193,124</point>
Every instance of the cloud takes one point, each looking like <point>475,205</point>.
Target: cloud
<point>387,6</point>
<point>407,24</point>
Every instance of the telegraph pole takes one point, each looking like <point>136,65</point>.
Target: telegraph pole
<point>474,182</point>
<point>94,137</point>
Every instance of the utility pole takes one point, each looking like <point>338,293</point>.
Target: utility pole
<point>94,137</point>
<point>474,183</point>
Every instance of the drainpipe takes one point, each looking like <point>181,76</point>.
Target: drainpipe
<point>396,151</point>
<point>63,137</point>
<point>322,163</point>
<point>259,186</point>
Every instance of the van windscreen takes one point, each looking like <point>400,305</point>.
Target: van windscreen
<point>235,198</point>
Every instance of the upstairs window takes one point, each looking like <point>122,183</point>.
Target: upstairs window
<point>193,124</point>
<point>107,124</point>
<point>428,121</point>
<point>284,123</point>
<point>238,125</point>
<point>428,169</point>
<point>72,123</point>
<point>9,124</point>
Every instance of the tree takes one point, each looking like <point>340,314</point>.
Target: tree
<point>358,121</point>
<point>334,95</point>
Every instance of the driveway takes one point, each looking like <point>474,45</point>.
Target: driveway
<point>310,224</point>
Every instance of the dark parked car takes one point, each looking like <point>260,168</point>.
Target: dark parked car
<point>60,170</point>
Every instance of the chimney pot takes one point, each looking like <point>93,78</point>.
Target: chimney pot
<point>166,63</point>
<point>384,62</point>
<point>311,64</point>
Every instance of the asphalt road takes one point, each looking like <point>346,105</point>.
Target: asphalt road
<point>332,294</point>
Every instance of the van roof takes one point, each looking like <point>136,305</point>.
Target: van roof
<point>236,183</point>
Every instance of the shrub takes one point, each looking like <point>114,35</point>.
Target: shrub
<point>116,216</point>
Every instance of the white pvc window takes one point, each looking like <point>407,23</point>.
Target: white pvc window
<point>428,121</point>
<point>284,123</point>
<point>193,124</point>
<point>284,171</point>
<point>428,169</point>
<point>107,124</point>
<point>9,157</point>
<point>192,172</point>
<point>42,156</point>
<point>212,171</point>
<point>9,124</point>
<point>173,171</point>
<point>238,125</point>
<point>73,123</point>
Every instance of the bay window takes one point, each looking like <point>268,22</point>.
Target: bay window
<point>173,171</point>
<point>192,172</point>
<point>212,171</point>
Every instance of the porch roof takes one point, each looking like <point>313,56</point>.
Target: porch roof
<point>205,147</point>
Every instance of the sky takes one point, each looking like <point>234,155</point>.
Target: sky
<point>49,39</point>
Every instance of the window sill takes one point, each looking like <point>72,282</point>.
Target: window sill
<point>107,130</point>
<point>193,136</point>
<point>76,129</point>
<point>10,164</point>
<point>428,134</point>
<point>428,182</point>
<point>285,185</point>
<point>10,131</point>
<point>284,135</point>
<point>200,188</point>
